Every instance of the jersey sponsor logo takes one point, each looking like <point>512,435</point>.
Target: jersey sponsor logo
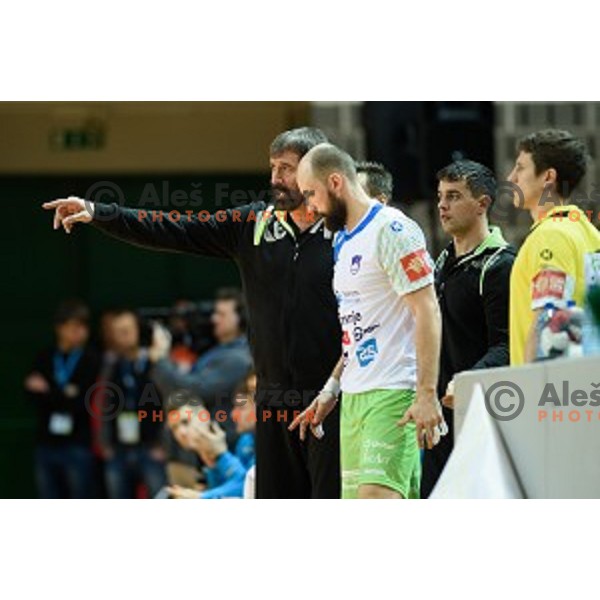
<point>277,234</point>
<point>396,226</point>
<point>346,341</point>
<point>550,285</point>
<point>355,264</point>
<point>347,298</point>
<point>415,265</point>
<point>367,352</point>
<point>351,319</point>
<point>360,332</point>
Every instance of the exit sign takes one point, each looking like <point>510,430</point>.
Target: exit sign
<point>77,138</point>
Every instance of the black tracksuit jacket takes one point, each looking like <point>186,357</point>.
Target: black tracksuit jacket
<point>294,332</point>
<point>473,293</point>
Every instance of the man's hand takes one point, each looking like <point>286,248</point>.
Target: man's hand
<point>314,415</point>
<point>36,383</point>
<point>180,493</point>
<point>211,443</point>
<point>427,415</point>
<point>69,211</point>
<point>107,452</point>
<point>161,343</point>
<point>158,454</point>
<point>448,399</point>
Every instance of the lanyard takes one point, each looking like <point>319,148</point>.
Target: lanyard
<point>130,372</point>
<point>64,367</point>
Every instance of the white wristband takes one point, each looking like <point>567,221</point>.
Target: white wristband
<point>332,386</point>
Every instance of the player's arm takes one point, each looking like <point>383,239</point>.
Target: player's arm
<point>216,235</point>
<point>404,258</point>
<point>425,411</point>
<point>495,297</point>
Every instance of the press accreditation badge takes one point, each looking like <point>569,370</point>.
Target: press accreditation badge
<point>60,424</point>
<point>128,428</point>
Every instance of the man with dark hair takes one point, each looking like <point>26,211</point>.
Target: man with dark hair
<point>375,180</point>
<point>132,446</point>
<point>549,267</point>
<point>57,385</point>
<point>391,333</point>
<point>471,280</point>
<point>217,373</point>
<point>285,258</point>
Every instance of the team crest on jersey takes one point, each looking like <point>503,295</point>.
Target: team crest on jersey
<point>367,352</point>
<point>355,264</point>
<point>396,226</point>
<point>415,265</point>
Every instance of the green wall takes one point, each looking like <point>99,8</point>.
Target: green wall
<point>40,267</point>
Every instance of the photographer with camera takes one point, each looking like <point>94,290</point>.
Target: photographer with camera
<point>217,373</point>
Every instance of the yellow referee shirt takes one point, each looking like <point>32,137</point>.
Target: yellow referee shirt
<point>549,268</point>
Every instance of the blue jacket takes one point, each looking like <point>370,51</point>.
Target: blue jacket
<point>225,479</point>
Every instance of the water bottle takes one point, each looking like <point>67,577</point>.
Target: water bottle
<point>559,331</point>
<point>591,331</point>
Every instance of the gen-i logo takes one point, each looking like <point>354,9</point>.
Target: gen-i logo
<point>355,265</point>
<point>367,352</point>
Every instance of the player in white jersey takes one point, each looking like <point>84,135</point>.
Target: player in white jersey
<point>390,319</point>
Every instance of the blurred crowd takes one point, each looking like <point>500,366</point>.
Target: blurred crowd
<point>144,412</point>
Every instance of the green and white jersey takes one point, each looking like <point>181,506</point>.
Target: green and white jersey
<point>376,264</point>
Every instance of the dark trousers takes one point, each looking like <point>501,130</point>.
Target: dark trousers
<point>288,468</point>
<point>434,460</point>
<point>64,471</point>
<point>130,466</point>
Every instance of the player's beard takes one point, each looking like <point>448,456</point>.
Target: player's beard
<point>337,214</point>
<point>285,198</point>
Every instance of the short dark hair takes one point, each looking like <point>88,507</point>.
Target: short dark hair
<point>235,295</point>
<point>72,310</point>
<point>379,180</point>
<point>559,150</point>
<point>299,141</point>
<point>479,179</point>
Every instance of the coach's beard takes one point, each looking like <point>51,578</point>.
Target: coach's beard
<point>286,199</point>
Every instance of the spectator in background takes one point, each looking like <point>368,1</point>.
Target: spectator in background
<point>57,386</point>
<point>131,446</point>
<point>244,417</point>
<point>217,373</point>
<point>472,284</point>
<point>375,180</point>
<point>224,472</point>
<point>549,267</point>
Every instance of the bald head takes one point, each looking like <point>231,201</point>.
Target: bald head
<point>326,159</point>
<point>328,181</point>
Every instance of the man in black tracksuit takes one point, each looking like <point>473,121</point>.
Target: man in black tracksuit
<point>472,283</point>
<point>286,265</point>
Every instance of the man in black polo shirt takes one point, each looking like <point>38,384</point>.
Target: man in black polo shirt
<point>472,283</point>
<point>285,259</point>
